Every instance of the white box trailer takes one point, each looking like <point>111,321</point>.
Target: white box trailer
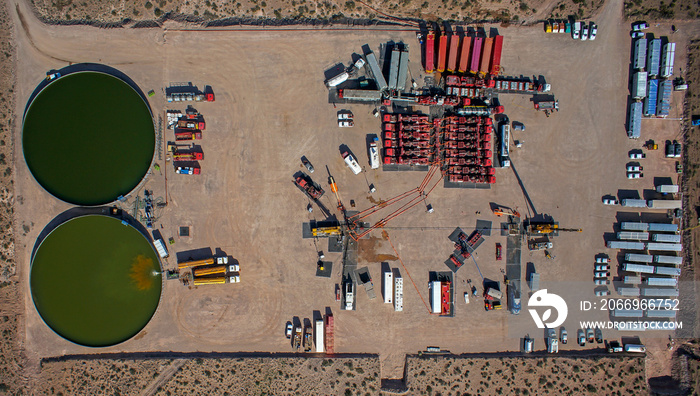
<point>667,188</point>
<point>630,226</point>
<point>633,280</point>
<point>660,313</point>
<point>673,238</point>
<point>337,80</point>
<point>662,227</point>
<point>319,336</point>
<point>675,260</point>
<point>665,204</point>
<point>642,269</point>
<point>654,57</point>
<point>388,287</point>
<point>631,235</point>
<point>626,245</point>
<point>660,292</point>
<point>639,85</point>
<point>670,271</point>
<point>398,292</point>
<point>376,71</point>
<point>672,282</point>
<point>634,124</point>
<point>160,248</point>
<point>628,313</point>
<point>634,203</point>
<point>534,281</point>
<point>667,59</point>
<point>628,291</point>
<point>639,258</point>
<point>435,291</point>
<point>640,54</point>
<point>669,247</point>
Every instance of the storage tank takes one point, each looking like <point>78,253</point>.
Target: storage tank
<point>667,59</point>
<point>454,53</point>
<point>486,56</point>
<point>476,55</point>
<point>496,55</point>
<point>634,123</point>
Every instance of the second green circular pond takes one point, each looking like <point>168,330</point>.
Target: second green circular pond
<point>88,138</point>
<point>96,281</point>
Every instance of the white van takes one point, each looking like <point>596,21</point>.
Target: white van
<point>635,348</point>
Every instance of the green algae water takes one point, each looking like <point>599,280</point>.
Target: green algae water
<point>95,281</point>
<point>88,138</point>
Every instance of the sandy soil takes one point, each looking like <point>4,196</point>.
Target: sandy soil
<point>661,10</point>
<point>246,205</point>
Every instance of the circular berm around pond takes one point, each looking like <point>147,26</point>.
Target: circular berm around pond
<point>95,280</point>
<point>88,138</point>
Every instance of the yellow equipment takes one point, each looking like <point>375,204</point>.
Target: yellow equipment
<point>325,231</point>
<point>550,228</point>
<point>219,269</point>
<point>209,281</point>
<point>502,210</point>
<point>195,263</point>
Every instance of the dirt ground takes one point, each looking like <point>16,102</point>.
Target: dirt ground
<point>244,203</point>
<point>660,10</point>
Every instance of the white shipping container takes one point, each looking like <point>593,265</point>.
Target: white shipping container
<point>660,313</point>
<point>663,227</point>
<point>662,282</point>
<point>643,269</point>
<point>667,59</point>
<point>630,235</point>
<point>674,238</point>
<point>660,292</point>
<point>665,204</point>
<point>639,258</point>
<point>628,291</point>
<point>670,271</point>
<point>667,188</point>
<point>319,336</point>
<point>626,245</point>
<point>628,226</point>
<point>628,313</point>
<point>634,280</point>
<point>640,53</point>
<point>634,203</point>
<point>639,85</point>
<point>388,287</point>
<point>676,260</point>
<point>435,293</point>
<point>669,247</point>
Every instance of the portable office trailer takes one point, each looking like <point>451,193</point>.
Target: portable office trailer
<point>662,227</point>
<point>626,245</point>
<point>640,54</point>
<point>643,269</point>
<point>667,188</point>
<point>663,100</point>
<point>629,226</point>
<point>628,313</point>
<point>670,271</point>
<point>633,280</point>
<point>675,260</point>
<point>654,57</point>
<point>674,238</point>
<point>639,85</point>
<point>667,59</point>
<point>669,247</point>
<point>660,292</point>
<point>673,282</point>
<point>652,97</point>
<point>628,291</point>
<point>634,123</point>
<point>634,203</point>
<point>639,258</point>
<point>632,235</point>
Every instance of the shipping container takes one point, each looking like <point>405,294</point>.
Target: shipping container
<point>654,57</point>
<point>663,100</point>
<point>476,55</point>
<point>640,54</point>
<point>442,53</point>
<point>634,123</point>
<point>664,204</point>
<point>319,336</point>
<point>376,71</point>
<point>667,59</point>
<point>652,97</point>
<point>464,58</point>
<point>675,260</point>
<point>435,292</point>
<point>632,235</point>
<point>454,53</point>
<point>662,227</point>
<point>388,287</point>
<point>430,53</point>
<point>669,271</point>
<point>639,85</point>
<point>639,258</point>
<point>660,292</point>
<point>639,268</point>
<point>394,68</point>
<point>630,226</point>
<point>398,292</point>
<point>486,56</point>
<point>534,282</point>
<point>625,245</point>
<point>669,247</point>
<point>634,203</point>
<point>667,188</point>
<point>496,55</point>
<point>628,313</point>
<point>660,313</point>
<point>632,280</point>
<point>673,238</point>
<point>628,291</point>
<point>662,282</point>
<point>403,70</point>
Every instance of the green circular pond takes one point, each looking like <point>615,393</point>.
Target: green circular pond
<point>88,138</point>
<point>95,281</point>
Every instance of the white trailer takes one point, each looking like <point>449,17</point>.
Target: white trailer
<point>639,258</point>
<point>672,282</point>
<point>388,287</point>
<point>639,85</point>
<point>319,336</point>
<point>626,245</point>
<point>640,54</point>
<point>667,188</point>
<point>660,313</point>
<point>628,313</point>
<point>670,271</point>
<point>673,238</point>
<point>534,282</point>
<point>675,260</point>
<point>662,227</point>
<point>337,80</point>
<point>665,204</point>
<point>660,292</point>
<point>668,247</point>
<point>160,247</point>
<point>376,71</point>
<point>634,203</point>
<point>654,57</point>
<point>435,291</point>
<point>667,59</point>
<point>628,291</point>
<point>631,235</point>
<point>642,269</point>
<point>398,292</point>
<point>629,226</point>
<point>633,280</point>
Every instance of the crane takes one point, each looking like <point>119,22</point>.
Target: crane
<point>334,189</point>
<point>550,228</point>
<point>503,210</point>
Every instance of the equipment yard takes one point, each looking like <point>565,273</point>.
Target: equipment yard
<point>248,200</point>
